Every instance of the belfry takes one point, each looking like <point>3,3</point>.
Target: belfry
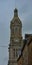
<point>16,40</point>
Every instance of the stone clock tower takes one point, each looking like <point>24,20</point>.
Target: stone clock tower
<point>15,39</point>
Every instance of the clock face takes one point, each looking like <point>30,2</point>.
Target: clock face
<point>16,29</point>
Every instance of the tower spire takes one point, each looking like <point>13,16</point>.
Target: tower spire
<point>15,39</point>
<point>15,12</point>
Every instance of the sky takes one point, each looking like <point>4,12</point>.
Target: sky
<point>6,14</point>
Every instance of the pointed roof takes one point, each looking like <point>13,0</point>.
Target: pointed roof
<point>16,18</point>
<point>15,12</point>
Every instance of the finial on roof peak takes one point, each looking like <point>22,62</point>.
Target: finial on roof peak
<point>15,12</point>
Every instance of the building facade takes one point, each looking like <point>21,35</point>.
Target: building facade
<point>26,57</point>
<point>25,53</point>
<point>16,41</point>
<point>30,51</point>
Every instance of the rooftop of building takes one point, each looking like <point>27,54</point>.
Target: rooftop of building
<point>25,42</point>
